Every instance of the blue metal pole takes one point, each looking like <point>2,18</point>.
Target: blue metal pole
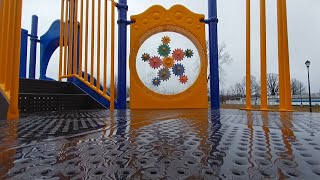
<point>23,53</point>
<point>122,55</point>
<point>33,47</point>
<point>214,60</point>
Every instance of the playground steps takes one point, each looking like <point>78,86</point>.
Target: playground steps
<point>42,95</point>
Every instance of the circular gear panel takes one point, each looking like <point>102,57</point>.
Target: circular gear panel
<point>174,66</point>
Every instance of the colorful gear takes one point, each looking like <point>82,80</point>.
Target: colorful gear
<point>189,53</point>
<point>168,62</point>
<point>145,57</point>
<point>155,62</point>
<point>178,54</point>
<point>178,69</point>
<point>156,81</point>
<point>164,74</point>
<point>166,40</point>
<point>183,79</point>
<point>164,50</point>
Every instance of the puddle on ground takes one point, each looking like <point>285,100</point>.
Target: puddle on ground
<point>170,144</point>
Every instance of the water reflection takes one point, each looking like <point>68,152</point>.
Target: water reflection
<point>195,144</point>
<point>286,160</point>
<point>8,138</point>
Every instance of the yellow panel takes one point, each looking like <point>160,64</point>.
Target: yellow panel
<point>180,20</point>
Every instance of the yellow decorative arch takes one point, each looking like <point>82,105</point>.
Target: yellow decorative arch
<point>180,20</point>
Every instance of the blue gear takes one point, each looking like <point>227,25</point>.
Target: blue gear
<point>156,81</point>
<point>164,74</point>
<point>178,69</point>
<point>164,50</point>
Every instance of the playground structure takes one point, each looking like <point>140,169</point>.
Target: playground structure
<point>90,64</point>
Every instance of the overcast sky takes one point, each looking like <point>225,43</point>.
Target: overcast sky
<point>303,24</point>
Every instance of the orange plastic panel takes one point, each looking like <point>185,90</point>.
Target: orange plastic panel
<point>180,20</point>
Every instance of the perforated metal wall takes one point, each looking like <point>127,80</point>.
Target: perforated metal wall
<point>39,96</point>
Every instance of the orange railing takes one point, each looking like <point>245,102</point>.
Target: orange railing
<point>10,32</point>
<point>81,24</point>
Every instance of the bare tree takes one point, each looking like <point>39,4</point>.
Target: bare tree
<point>297,87</point>
<point>273,84</point>
<point>224,58</point>
<point>239,89</point>
<point>255,86</point>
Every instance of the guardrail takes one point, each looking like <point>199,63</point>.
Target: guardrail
<point>77,59</point>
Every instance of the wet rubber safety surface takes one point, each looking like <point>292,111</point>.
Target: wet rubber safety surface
<point>164,144</point>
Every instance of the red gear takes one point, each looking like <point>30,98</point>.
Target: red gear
<point>178,54</point>
<point>155,62</point>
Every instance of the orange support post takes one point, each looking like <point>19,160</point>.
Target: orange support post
<point>3,44</point>
<point>105,48</point>
<point>1,9</point>
<point>248,56</point>
<point>112,56</point>
<point>1,29</point>
<point>75,37</point>
<point>61,39</point>
<point>98,45</point>
<point>81,35</point>
<point>288,104</point>
<point>1,16</point>
<point>86,43</point>
<point>282,98</point>
<point>65,38</point>
<point>5,39</point>
<point>263,51</point>
<point>9,48</point>
<point>92,43</point>
<point>70,59</point>
<point>13,111</point>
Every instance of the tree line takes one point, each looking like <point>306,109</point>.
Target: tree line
<point>239,89</point>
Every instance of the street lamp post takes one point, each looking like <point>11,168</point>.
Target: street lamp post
<point>301,93</point>
<point>308,65</point>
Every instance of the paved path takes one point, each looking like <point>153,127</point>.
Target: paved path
<point>194,144</point>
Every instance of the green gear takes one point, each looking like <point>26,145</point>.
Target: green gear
<point>164,50</point>
<point>189,53</point>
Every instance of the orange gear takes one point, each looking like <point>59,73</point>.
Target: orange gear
<point>168,62</point>
<point>183,79</point>
<point>166,40</point>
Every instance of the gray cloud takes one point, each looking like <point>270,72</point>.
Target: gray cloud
<point>303,24</point>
